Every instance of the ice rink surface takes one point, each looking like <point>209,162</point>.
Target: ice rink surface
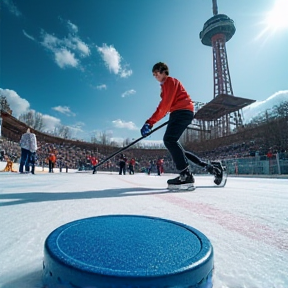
<point>246,221</point>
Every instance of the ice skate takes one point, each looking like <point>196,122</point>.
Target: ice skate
<point>181,187</point>
<point>185,181</point>
<point>216,169</point>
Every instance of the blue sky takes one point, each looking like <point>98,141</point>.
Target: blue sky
<point>87,64</point>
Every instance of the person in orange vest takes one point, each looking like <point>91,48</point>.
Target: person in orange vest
<point>52,160</point>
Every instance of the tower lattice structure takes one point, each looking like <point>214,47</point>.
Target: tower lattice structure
<point>218,30</point>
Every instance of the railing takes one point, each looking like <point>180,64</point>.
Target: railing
<point>257,166</point>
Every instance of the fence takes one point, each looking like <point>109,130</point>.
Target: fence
<point>257,166</point>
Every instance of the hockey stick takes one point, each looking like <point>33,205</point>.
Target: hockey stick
<point>131,144</point>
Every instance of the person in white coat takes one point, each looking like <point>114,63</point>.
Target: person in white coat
<point>29,147</point>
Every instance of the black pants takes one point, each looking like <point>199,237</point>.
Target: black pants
<point>122,169</point>
<point>131,169</point>
<point>178,122</point>
<point>159,170</point>
<point>51,166</point>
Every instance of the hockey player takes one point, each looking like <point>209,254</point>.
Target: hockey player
<point>175,99</point>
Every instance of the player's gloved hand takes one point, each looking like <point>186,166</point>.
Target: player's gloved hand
<point>146,129</point>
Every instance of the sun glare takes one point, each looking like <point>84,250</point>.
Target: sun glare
<point>277,18</point>
<point>274,20</point>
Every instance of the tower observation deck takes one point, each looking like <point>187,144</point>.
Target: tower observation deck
<point>216,32</point>
<point>218,24</point>
<point>222,115</point>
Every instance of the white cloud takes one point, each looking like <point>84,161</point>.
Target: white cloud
<point>82,47</point>
<point>125,73</point>
<point>12,7</point>
<point>112,60</point>
<point>72,27</point>
<point>77,130</point>
<point>111,57</point>
<point>50,122</point>
<point>65,58</point>
<point>259,107</point>
<point>20,105</point>
<point>75,44</point>
<point>127,93</point>
<point>68,50</point>
<point>78,125</point>
<point>101,87</point>
<point>28,36</point>
<point>49,41</point>
<point>122,124</point>
<point>64,110</point>
<point>17,104</point>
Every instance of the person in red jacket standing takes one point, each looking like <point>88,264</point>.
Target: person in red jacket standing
<point>159,164</point>
<point>176,100</point>
<point>94,161</point>
<point>131,166</point>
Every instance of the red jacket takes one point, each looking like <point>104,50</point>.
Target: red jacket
<point>52,157</point>
<point>94,161</point>
<point>174,97</point>
<point>160,162</point>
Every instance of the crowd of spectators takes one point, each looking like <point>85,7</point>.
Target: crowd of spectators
<point>9,148</point>
<point>74,157</point>
<point>244,150</point>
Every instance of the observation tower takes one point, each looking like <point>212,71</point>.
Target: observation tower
<point>221,116</point>
<point>216,32</point>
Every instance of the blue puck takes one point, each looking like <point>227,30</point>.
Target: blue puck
<point>127,251</point>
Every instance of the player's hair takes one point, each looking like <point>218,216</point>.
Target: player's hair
<point>161,67</point>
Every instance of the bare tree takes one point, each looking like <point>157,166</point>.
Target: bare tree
<point>4,105</point>
<point>39,123</point>
<point>27,118</point>
<point>62,132</point>
<point>282,110</point>
<point>126,142</point>
<point>103,137</point>
<point>33,120</point>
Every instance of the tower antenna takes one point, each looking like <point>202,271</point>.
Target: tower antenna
<point>215,7</point>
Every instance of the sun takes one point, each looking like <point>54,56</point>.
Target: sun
<point>277,18</point>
